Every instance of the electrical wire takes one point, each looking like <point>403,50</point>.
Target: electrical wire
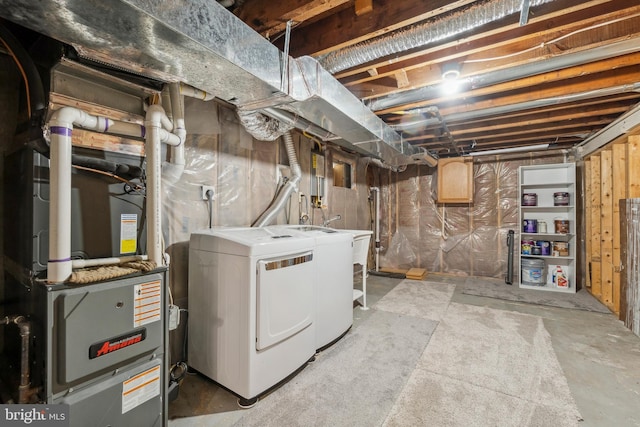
<point>557,39</point>
<point>22,72</point>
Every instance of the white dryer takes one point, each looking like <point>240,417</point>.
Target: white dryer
<point>251,307</point>
<point>333,280</point>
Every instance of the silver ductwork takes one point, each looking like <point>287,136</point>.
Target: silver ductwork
<point>503,109</point>
<point>200,43</point>
<point>424,33</point>
<point>522,71</point>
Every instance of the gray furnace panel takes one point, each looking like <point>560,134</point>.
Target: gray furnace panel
<point>106,325</point>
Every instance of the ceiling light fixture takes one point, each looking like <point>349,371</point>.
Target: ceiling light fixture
<point>450,71</point>
<point>450,74</point>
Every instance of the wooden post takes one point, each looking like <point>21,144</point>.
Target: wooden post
<point>596,287</point>
<point>587,220</point>
<point>606,227</point>
<point>633,166</point>
<point>619,192</point>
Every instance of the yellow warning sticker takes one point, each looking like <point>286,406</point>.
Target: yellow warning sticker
<point>128,233</point>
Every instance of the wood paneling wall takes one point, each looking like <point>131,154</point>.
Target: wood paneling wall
<point>610,175</point>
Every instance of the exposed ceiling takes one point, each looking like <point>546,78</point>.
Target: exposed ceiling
<point>531,72</point>
<point>557,74</point>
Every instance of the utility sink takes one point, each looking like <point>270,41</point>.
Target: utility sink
<point>361,240</point>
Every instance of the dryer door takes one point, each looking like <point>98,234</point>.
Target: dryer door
<point>285,291</point>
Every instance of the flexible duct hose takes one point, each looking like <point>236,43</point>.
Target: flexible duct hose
<point>269,215</point>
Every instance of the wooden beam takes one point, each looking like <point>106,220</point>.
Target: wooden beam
<point>270,18</point>
<point>509,40</point>
<point>596,284</point>
<point>345,28</point>
<point>401,79</point>
<point>587,219</point>
<point>606,227</point>
<point>363,6</point>
<point>429,74</point>
<point>617,77</point>
<point>619,192</point>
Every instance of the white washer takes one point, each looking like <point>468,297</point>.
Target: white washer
<point>251,306</point>
<point>333,280</point>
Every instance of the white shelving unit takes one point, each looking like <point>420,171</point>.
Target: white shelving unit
<point>545,181</point>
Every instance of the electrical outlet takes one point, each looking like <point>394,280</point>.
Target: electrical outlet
<point>204,189</point>
<point>174,317</point>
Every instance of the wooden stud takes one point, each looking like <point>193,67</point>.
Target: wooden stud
<point>587,219</point>
<point>595,278</point>
<point>596,288</point>
<point>606,227</point>
<point>633,166</point>
<point>372,72</point>
<point>619,192</point>
<point>401,79</point>
<point>363,6</point>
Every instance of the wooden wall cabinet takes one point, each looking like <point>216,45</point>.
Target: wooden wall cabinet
<point>455,180</point>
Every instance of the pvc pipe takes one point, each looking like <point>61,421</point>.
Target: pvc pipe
<point>83,263</point>
<point>59,266</point>
<point>61,126</point>
<point>377,245</point>
<point>192,92</point>
<point>154,122</point>
<point>521,149</point>
<point>172,170</point>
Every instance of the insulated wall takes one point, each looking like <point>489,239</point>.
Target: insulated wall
<point>461,239</point>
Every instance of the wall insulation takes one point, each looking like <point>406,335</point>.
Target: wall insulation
<point>461,239</point>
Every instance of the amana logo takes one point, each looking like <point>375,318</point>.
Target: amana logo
<point>117,343</point>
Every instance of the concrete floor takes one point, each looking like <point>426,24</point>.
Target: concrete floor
<point>599,356</point>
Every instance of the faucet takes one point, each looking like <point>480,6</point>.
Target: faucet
<point>325,222</point>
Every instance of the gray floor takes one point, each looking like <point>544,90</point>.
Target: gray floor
<point>598,355</point>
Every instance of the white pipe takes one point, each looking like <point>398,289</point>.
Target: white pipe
<point>377,246</point>
<point>172,170</point>
<point>61,124</point>
<point>524,148</point>
<point>154,121</point>
<point>192,92</point>
<point>84,263</point>
<point>59,266</point>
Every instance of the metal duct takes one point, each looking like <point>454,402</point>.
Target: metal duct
<point>469,115</point>
<point>515,73</point>
<point>291,186</point>
<point>261,127</point>
<point>422,34</point>
<point>201,43</point>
